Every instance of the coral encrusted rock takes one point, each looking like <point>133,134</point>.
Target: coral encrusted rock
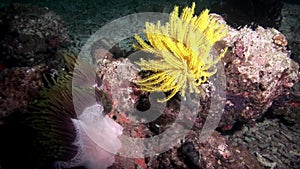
<point>258,70</point>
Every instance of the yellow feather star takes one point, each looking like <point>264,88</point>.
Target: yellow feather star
<point>182,52</point>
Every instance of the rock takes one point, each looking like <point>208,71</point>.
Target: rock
<point>258,71</point>
<point>19,87</point>
<point>30,42</point>
<point>31,36</point>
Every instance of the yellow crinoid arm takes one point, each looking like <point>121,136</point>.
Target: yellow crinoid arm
<point>182,52</point>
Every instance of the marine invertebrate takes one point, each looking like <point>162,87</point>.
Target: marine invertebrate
<point>182,52</point>
<point>67,139</point>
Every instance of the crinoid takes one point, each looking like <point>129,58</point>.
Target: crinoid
<point>182,52</point>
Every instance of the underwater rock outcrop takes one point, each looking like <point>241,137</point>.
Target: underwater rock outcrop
<point>19,86</point>
<point>258,71</point>
<point>30,40</point>
<point>31,35</point>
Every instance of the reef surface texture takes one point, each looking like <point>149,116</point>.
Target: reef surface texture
<point>261,97</point>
